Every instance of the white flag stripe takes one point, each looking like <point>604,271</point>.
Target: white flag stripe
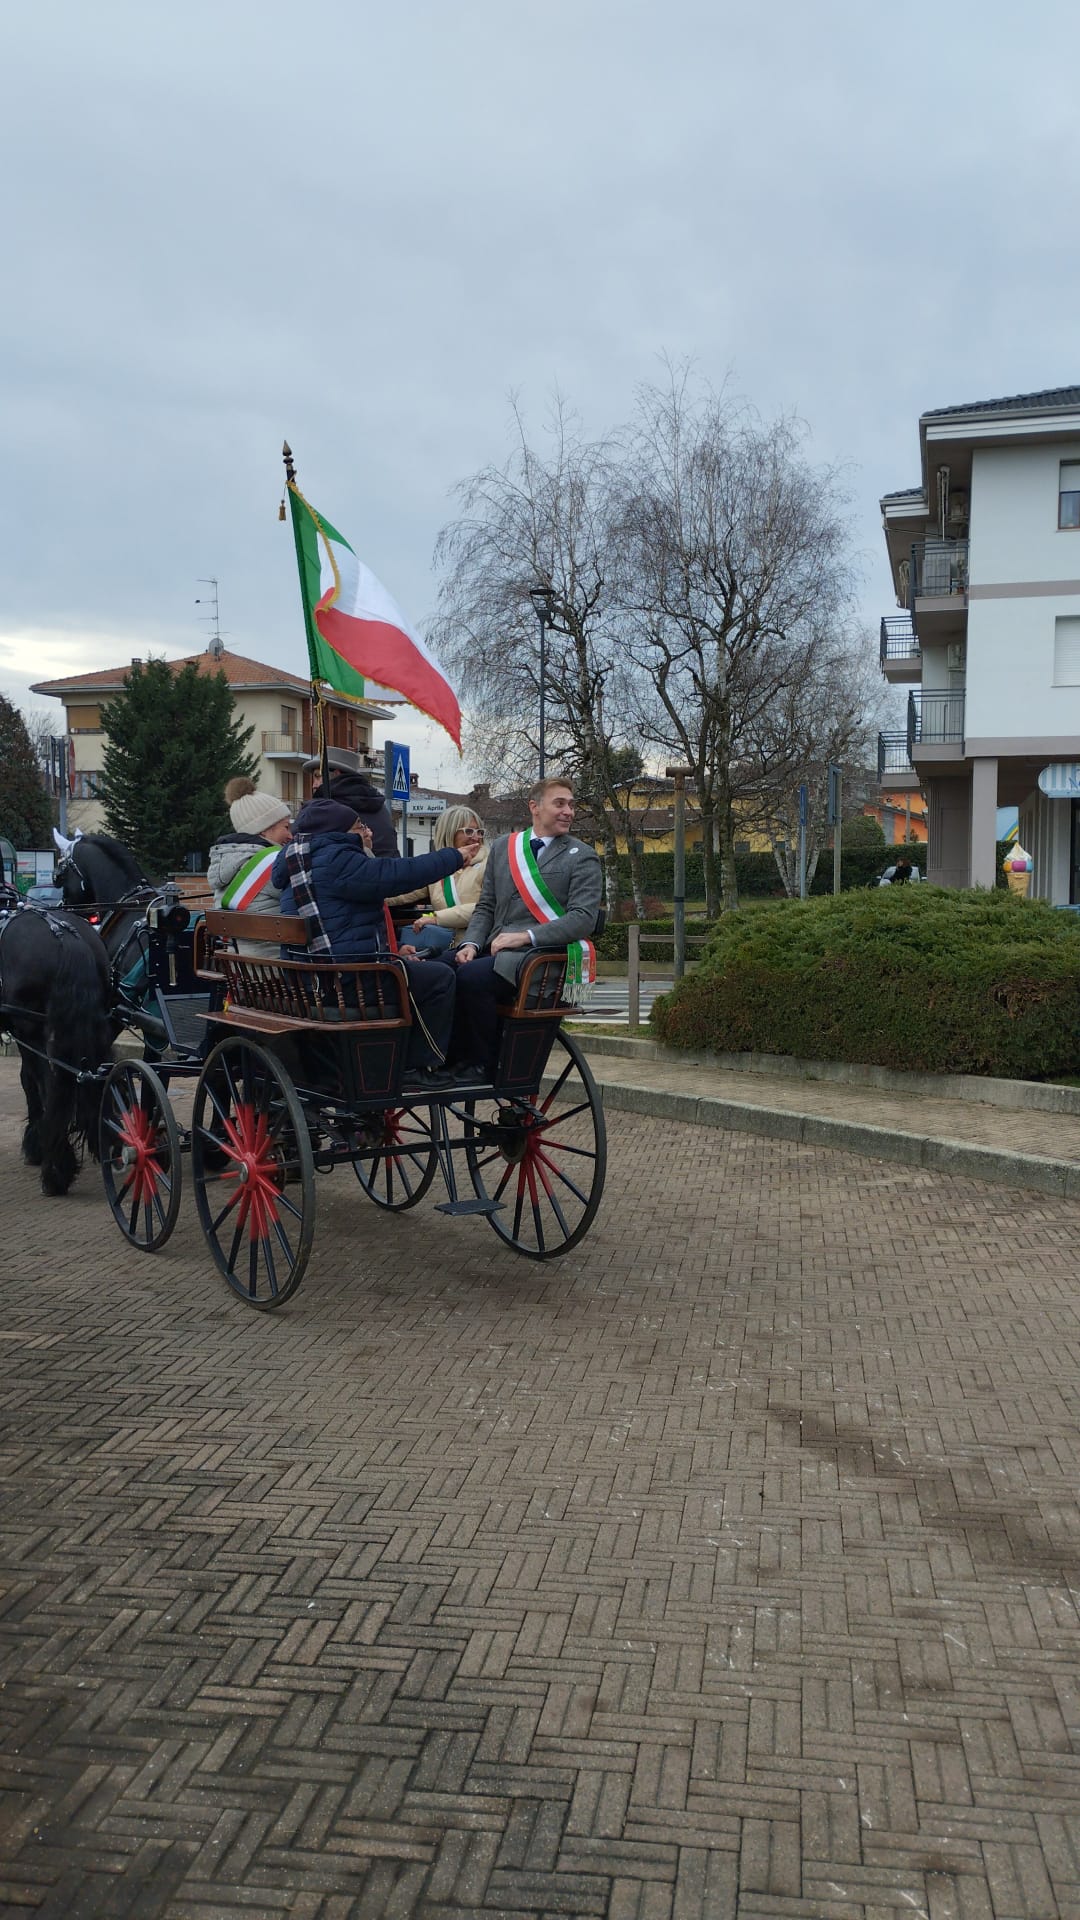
<point>363,597</point>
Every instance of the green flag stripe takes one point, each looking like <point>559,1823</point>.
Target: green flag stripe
<point>336,671</point>
<point>324,662</point>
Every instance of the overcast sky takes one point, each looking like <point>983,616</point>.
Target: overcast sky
<point>360,227</point>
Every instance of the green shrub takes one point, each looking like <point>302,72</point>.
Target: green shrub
<point>925,978</point>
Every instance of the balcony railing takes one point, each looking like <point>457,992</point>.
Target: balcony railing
<point>938,568</point>
<point>892,755</point>
<point>285,743</point>
<point>935,718</point>
<point>898,641</point>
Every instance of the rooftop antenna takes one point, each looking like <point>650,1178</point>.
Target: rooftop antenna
<point>215,645</point>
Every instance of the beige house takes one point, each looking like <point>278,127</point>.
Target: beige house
<point>276,704</point>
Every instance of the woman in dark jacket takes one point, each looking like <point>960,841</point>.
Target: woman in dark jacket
<point>349,887</point>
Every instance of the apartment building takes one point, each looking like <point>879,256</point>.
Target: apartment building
<point>985,559</point>
<point>276,704</point>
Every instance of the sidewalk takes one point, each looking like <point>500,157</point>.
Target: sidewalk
<point>1005,1144</point>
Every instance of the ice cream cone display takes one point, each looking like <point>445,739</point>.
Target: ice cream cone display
<point>1018,866</point>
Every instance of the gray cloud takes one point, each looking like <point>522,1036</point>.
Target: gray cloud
<point>362,227</point>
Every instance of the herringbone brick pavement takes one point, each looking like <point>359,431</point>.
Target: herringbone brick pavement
<point>728,1568</point>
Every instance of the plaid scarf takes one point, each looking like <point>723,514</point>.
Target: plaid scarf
<point>298,862</point>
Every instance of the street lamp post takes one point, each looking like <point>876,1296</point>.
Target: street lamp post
<point>680,775</point>
<point>543,599</point>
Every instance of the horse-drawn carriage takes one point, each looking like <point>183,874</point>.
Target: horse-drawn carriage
<point>295,1067</point>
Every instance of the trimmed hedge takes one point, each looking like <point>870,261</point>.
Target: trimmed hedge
<point>929,979</point>
<point>759,877</point>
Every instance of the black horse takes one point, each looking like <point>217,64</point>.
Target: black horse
<point>101,877</point>
<point>55,996</point>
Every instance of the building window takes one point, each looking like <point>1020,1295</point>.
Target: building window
<point>1069,494</point>
<point>84,719</point>
<point>288,720</point>
<point>86,786</point>
<point>1067,650</point>
<point>290,789</point>
<point>742,847</point>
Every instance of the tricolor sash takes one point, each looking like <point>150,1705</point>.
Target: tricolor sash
<point>246,885</point>
<point>542,904</point>
<point>450,889</point>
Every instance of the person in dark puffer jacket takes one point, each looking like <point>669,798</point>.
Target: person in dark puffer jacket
<point>350,887</point>
<point>350,785</point>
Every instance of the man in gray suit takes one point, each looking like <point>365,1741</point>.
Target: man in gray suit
<point>504,930</point>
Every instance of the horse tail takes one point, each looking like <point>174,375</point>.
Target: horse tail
<point>78,1038</point>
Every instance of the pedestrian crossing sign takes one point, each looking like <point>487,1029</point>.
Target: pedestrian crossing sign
<point>401,771</point>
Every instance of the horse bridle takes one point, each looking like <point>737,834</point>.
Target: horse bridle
<point>86,897</point>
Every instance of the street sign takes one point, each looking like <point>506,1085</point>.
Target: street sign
<point>396,786</point>
<point>1061,781</point>
<point>834,796</point>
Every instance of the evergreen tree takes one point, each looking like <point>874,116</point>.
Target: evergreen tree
<point>26,813</point>
<point>174,740</point>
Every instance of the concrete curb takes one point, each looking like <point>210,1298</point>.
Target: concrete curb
<point>1036,1096</point>
<point>995,1165</point>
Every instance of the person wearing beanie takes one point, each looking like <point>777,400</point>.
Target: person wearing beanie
<point>329,864</point>
<point>241,862</point>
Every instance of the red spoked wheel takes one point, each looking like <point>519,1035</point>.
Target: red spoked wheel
<point>543,1159</point>
<point>398,1159</point>
<point>254,1176</point>
<point>140,1155</point>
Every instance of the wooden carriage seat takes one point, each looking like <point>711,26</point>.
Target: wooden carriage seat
<point>352,1017</point>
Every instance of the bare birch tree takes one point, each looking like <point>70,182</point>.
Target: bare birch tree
<point>733,573</point>
<point>823,717</point>
<point>541,520</point>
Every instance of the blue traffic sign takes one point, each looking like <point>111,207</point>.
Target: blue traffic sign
<point>401,771</point>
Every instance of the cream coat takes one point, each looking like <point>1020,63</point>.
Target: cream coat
<point>432,899</point>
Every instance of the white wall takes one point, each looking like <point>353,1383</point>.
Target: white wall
<point>1010,642</point>
<point>1010,670</point>
<point>1014,512</point>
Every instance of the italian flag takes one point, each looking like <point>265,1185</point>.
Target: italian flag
<point>542,904</point>
<point>355,631</point>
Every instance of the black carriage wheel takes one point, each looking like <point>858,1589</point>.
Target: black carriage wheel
<point>140,1155</point>
<point>251,1163</point>
<point>544,1158</point>
<point>398,1158</point>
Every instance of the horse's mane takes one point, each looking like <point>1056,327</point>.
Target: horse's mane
<point>115,850</point>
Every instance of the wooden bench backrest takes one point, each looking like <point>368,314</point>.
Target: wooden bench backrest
<point>284,929</point>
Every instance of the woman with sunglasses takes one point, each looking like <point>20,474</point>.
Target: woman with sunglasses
<point>449,903</point>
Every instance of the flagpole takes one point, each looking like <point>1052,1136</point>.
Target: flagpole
<point>317,713</point>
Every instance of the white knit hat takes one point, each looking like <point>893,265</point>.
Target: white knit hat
<point>254,812</point>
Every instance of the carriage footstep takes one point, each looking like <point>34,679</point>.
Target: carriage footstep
<point>469,1206</point>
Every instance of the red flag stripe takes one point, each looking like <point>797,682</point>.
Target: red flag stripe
<point>383,653</point>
